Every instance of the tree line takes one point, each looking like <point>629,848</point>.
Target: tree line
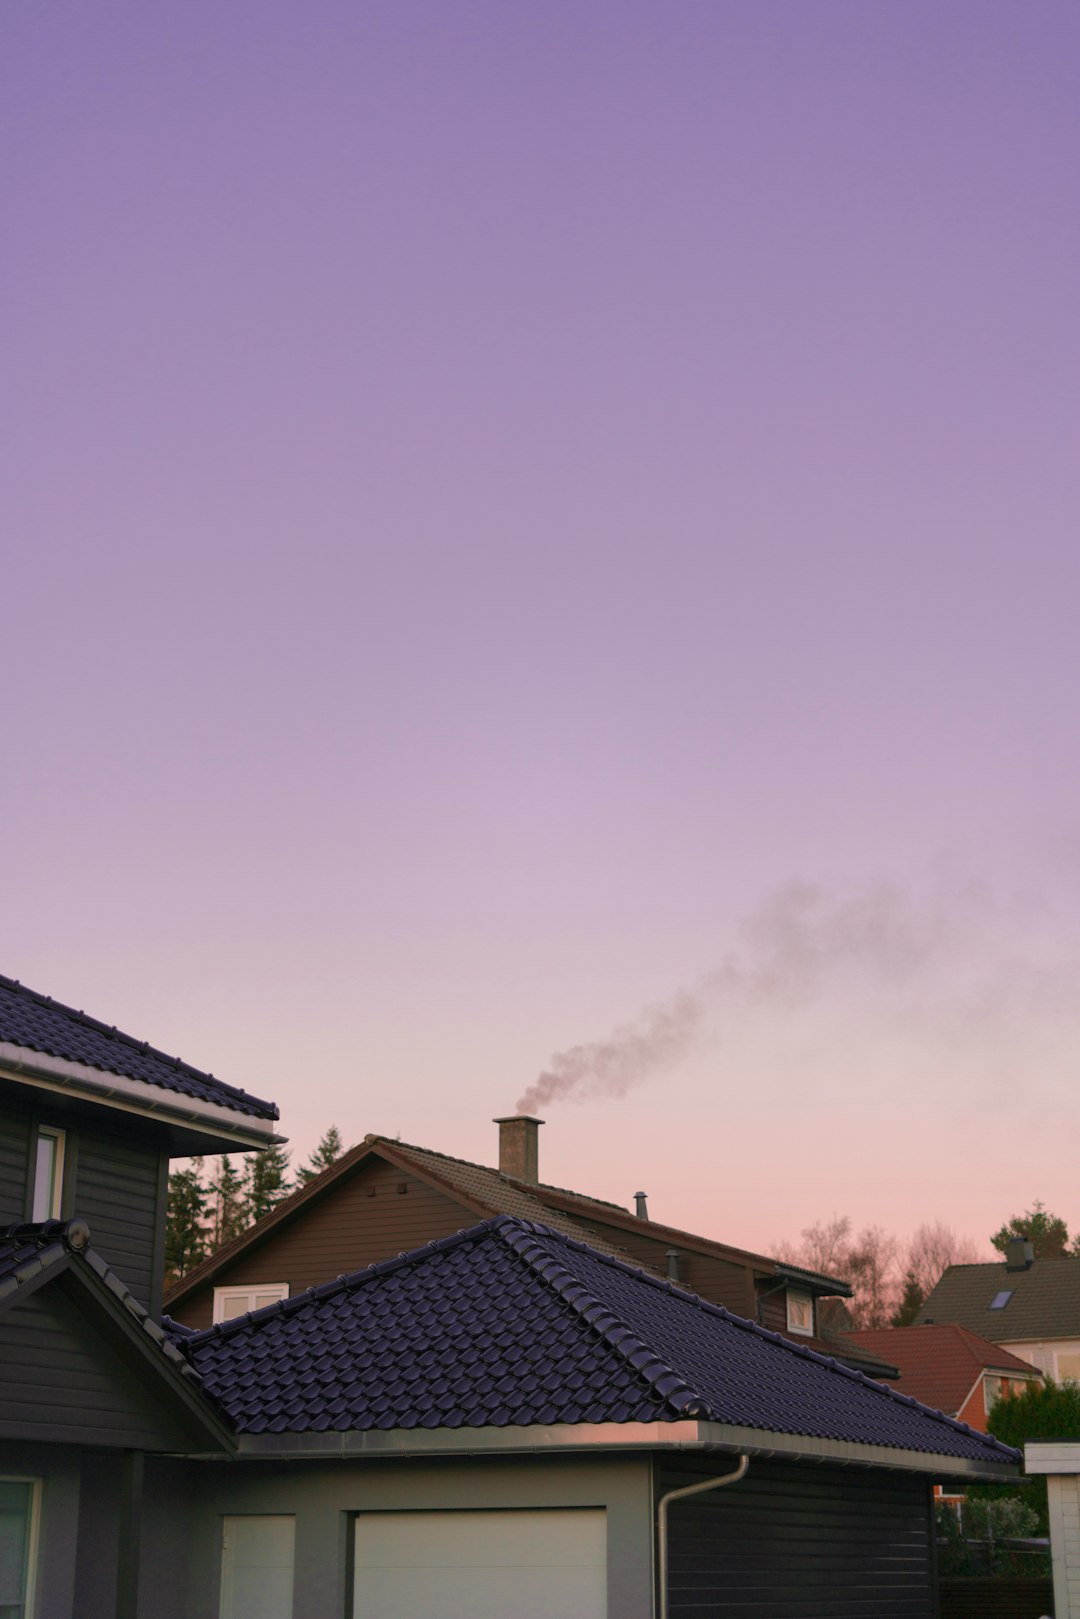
<point>206,1213</point>
<point>891,1280</point>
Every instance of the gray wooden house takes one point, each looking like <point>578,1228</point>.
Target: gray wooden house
<point>506,1420</point>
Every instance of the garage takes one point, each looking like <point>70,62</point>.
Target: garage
<point>545,1564</point>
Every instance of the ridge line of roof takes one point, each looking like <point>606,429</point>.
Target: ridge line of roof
<point>604,1321</point>
<point>129,1041</point>
<point>752,1327</point>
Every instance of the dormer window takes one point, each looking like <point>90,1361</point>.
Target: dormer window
<point>800,1313</point>
<point>48,1174</point>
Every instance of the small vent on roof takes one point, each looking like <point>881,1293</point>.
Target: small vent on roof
<point>1000,1300</point>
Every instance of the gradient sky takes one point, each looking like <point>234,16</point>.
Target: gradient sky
<point>494,492</point>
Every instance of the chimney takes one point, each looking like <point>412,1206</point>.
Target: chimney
<point>1019,1255</point>
<point>642,1209</point>
<point>518,1147</point>
<point>672,1257</point>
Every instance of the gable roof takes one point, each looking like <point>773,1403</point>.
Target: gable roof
<point>939,1364</point>
<point>38,1023</point>
<point>487,1192</point>
<point>1043,1302</point>
<point>511,1324</point>
<point>34,1255</point>
<point>484,1192</point>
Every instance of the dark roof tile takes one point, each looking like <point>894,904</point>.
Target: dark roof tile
<point>38,1023</point>
<point>618,1345</point>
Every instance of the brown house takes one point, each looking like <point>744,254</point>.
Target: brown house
<point>384,1197</point>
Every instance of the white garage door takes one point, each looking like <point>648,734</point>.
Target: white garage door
<point>481,1565</point>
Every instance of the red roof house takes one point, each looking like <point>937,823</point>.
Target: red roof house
<point>949,1368</point>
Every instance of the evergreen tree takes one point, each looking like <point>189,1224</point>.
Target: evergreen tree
<point>326,1153</point>
<point>228,1213</point>
<point>1042,1411</point>
<point>1046,1232</point>
<point>265,1181</point>
<point>185,1229</point>
<point>911,1302</point>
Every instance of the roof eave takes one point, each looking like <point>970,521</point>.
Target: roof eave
<point>573,1438</point>
<point>224,1129</point>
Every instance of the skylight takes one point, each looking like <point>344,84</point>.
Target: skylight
<point>1000,1300</point>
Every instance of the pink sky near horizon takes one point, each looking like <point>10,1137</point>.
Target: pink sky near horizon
<point>494,493</point>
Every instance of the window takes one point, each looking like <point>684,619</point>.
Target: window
<point>993,1389</point>
<point>231,1301</point>
<point>19,1499</point>
<point>257,1555</point>
<point>48,1174</point>
<point>800,1313</point>
<point>1068,1368</point>
<point>1000,1300</point>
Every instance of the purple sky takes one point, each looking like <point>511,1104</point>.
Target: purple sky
<point>494,492</point>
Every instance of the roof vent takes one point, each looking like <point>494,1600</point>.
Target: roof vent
<point>519,1147</point>
<point>642,1210</point>
<point>1019,1255</point>
<point>672,1257</point>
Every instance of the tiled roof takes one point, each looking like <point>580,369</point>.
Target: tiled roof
<point>26,1251</point>
<point>38,1023</point>
<point>486,1191</point>
<point>496,1193</point>
<point>511,1324</point>
<point>1044,1300</point>
<point>939,1364</point>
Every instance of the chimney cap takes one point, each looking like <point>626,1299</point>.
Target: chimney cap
<point>512,1118</point>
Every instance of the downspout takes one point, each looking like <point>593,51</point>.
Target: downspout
<point>661,1519</point>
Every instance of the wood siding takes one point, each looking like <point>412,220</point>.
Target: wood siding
<point>800,1541</point>
<point>118,1194</point>
<point>772,1307</point>
<point>65,1380</point>
<point>375,1213</point>
<point>15,1128</point>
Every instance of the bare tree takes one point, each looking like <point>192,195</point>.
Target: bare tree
<point>867,1259</point>
<point>872,1272</point>
<point>933,1247</point>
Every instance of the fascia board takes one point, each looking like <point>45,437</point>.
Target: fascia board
<point>138,1096</point>
<point>1052,1456</point>
<point>619,1436</point>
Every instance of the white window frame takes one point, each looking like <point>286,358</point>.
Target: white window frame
<point>280,1290</point>
<point>32,1540</point>
<point>802,1298</point>
<point>49,1132</point>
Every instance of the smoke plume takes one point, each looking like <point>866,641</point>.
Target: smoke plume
<point>877,939</point>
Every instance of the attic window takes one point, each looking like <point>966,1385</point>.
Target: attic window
<point>800,1313</point>
<point>1000,1300</point>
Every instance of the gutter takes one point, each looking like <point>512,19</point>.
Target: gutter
<point>661,1519</point>
<point>59,1074</point>
<point>584,1438</point>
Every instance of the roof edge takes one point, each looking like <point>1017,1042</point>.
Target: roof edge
<point>702,1437</point>
<point>26,1066</point>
